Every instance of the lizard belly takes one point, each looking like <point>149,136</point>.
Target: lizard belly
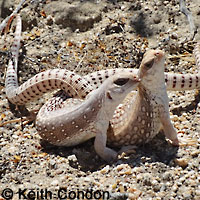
<point>62,126</point>
<point>140,128</point>
<point>79,137</point>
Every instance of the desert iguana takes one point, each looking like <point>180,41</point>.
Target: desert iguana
<point>75,122</point>
<point>71,122</point>
<point>154,102</point>
<point>139,118</point>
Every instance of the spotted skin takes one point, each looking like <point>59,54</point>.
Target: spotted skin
<point>146,110</point>
<point>74,120</point>
<point>137,125</point>
<point>45,82</point>
<point>135,121</point>
<point>173,81</point>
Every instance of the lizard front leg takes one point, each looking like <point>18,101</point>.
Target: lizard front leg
<point>171,133</point>
<point>169,130</point>
<point>104,152</point>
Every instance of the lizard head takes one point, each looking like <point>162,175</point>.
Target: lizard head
<point>120,85</point>
<point>151,70</point>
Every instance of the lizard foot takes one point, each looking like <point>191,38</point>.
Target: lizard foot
<point>108,155</point>
<point>182,141</point>
<point>126,150</point>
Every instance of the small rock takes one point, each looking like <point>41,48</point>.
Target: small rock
<point>174,188</point>
<point>157,19</point>
<point>167,176</point>
<point>182,162</point>
<point>49,20</point>
<point>147,179</point>
<point>105,169</point>
<point>195,153</point>
<point>124,169</point>
<point>54,182</point>
<point>15,136</point>
<point>88,179</point>
<point>134,194</point>
<point>174,36</point>
<point>72,158</point>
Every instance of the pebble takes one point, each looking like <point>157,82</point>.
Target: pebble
<point>72,158</point>
<point>55,183</point>
<point>182,162</point>
<point>15,136</point>
<point>124,169</point>
<point>167,176</point>
<point>152,173</point>
<point>195,153</point>
<point>88,179</point>
<point>174,36</point>
<point>105,170</point>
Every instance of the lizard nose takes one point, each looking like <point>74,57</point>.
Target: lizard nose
<point>136,79</point>
<point>159,54</point>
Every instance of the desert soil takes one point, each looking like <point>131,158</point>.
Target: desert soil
<point>86,36</point>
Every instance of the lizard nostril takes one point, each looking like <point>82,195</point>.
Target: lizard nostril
<point>159,54</point>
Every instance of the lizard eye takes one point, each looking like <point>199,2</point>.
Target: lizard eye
<point>121,81</point>
<point>149,64</point>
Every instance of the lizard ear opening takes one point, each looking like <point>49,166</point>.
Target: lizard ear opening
<point>121,81</point>
<point>108,95</point>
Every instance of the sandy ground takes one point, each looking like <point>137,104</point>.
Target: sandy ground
<point>85,36</point>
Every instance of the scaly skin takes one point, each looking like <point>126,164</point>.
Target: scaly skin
<point>135,121</point>
<point>73,124</point>
<point>144,113</point>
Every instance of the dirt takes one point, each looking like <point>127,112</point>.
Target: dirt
<point>85,36</point>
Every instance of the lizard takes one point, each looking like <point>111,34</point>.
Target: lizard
<point>71,123</point>
<point>187,82</point>
<point>141,115</point>
<point>139,118</point>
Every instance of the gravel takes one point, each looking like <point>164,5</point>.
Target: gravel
<point>109,34</point>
